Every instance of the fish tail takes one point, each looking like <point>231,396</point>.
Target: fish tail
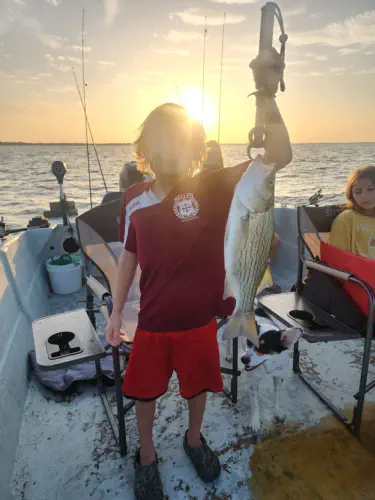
<point>241,324</point>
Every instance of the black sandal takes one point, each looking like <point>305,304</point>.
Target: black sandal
<point>147,484</point>
<point>204,459</point>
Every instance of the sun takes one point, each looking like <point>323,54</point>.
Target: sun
<point>203,111</point>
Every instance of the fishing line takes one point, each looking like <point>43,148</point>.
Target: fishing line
<point>84,104</point>
<point>221,79</point>
<point>89,128</point>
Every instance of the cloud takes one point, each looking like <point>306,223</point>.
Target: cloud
<point>62,90</point>
<point>54,2</point>
<point>321,58</point>
<point>298,63</point>
<point>346,51</point>
<point>107,63</point>
<point>297,11</point>
<point>368,52</point>
<point>61,58</point>
<point>110,11</point>
<point>6,55</point>
<point>19,81</point>
<point>78,48</point>
<point>359,29</point>
<point>176,52</point>
<point>74,59</point>
<point>337,70</point>
<point>19,2</point>
<point>44,75</point>
<point>241,2</point>
<point>314,73</point>
<point>183,36</point>
<point>369,71</point>
<point>196,17</point>
<point>53,42</point>
<point>50,57</point>
<point>34,78</point>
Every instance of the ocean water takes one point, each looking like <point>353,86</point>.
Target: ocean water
<point>27,185</point>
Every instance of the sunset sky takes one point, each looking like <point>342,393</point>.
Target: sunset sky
<point>140,53</point>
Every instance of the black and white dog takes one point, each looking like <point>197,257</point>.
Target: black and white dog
<point>271,358</point>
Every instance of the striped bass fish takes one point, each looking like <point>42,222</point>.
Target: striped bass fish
<point>247,247</point>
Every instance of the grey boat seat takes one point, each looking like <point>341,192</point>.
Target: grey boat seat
<point>292,309</point>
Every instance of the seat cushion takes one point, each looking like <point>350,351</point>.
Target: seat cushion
<point>362,267</point>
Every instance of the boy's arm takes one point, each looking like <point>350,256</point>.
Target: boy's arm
<point>277,145</point>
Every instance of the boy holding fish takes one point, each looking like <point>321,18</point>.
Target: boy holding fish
<point>174,228</point>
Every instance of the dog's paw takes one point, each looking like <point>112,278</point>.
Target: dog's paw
<point>255,425</point>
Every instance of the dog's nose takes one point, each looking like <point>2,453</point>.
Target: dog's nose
<point>245,358</point>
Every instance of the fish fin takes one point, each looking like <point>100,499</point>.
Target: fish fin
<point>241,325</point>
<point>227,290</point>
<point>267,281</point>
<point>233,327</point>
<point>250,330</point>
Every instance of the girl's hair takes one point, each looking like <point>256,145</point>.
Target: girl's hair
<point>177,122</point>
<point>214,160</point>
<point>367,172</point>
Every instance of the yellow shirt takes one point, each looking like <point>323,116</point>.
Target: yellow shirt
<point>354,233</point>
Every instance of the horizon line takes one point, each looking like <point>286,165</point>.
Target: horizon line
<point>22,143</point>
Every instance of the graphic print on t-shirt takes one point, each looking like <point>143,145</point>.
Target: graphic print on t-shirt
<point>185,207</point>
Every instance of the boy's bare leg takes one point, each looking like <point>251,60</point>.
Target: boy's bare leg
<point>145,419</point>
<point>196,412</point>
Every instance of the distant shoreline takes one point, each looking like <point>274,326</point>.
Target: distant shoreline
<point>130,144</point>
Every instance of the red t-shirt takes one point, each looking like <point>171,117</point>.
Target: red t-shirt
<point>180,247</point>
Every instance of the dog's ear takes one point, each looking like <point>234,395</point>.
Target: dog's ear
<point>290,336</point>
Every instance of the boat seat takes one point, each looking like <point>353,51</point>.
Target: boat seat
<point>291,309</point>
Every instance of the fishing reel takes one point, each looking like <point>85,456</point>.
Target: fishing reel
<point>58,169</point>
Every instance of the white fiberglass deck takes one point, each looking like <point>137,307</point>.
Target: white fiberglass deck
<point>67,451</point>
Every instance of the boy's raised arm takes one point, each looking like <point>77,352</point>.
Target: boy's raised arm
<point>277,145</point>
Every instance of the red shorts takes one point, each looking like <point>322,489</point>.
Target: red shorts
<point>193,354</point>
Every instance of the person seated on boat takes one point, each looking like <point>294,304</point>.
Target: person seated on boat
<point>214,157</point>
<point>354,229</point>
<point>174,227</point>
<point>129,175</point>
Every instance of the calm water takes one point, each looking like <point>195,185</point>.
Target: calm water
<point>27,185</point>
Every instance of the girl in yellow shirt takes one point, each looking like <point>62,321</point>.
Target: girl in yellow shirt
<point>354,229</point>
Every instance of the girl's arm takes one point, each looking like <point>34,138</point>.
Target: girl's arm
<point>127,266</point>
<point>277,145</point>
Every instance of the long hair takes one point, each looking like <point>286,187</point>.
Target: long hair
<point>367,172</point>
<point>176,122</point>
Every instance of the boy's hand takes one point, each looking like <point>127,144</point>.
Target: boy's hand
<point>113,330</point>
<point>267,70</point>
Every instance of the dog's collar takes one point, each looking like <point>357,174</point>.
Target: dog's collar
<point>250,368</point>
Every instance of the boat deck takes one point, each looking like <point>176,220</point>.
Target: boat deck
<point>66,449</point>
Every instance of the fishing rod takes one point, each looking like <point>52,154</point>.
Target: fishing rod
<point>221,79</point>
<point>84,103</point>
<point>89,129</point>
<point>267,58</point>
<point>204,64</point>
